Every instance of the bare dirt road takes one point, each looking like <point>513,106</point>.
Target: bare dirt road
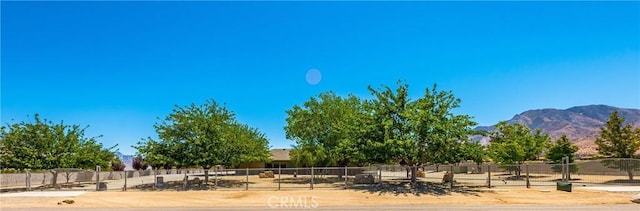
<point>374,208</point>
<point>319,199</point>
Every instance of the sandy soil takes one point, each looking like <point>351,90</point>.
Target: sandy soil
<point>323,198</point>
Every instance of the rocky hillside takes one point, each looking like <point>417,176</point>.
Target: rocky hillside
<point>581,123</point>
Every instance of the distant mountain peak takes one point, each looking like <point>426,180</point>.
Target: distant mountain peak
<point>127,160</point>
<point>581,124</point>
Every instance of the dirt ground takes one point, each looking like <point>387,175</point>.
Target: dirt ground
<point>288,182</point>
<point>546,196</point>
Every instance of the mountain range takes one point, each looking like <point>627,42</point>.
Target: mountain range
<point>581,124</point>
<point>127,160</point>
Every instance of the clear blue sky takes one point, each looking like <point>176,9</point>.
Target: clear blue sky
<point>119,66</point>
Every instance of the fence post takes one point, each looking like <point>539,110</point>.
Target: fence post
<point>488,175</point>
<point>97,177</point>
<point>186,180</point>
<point>155,179</point>
<point>566,168</point>
<point>562,167</point>
<point>526,169</point>
<point>345,177</point>
<point>569,169</point>
<point>312,177</point>
<point>125,181</point>
<point>247,184</point>
<point>379,176</point>
<point>451,179</point>
<point>215,178</point>
<point>279,173</point>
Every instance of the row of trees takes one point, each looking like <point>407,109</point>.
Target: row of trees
<point>328,130</point>
<point>392,128</point>
<point>515,144</point>
<point>191,136</point>
<point>57,147</point>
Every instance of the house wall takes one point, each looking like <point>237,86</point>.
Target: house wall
<point>251,165</point>
<point>281,164</point>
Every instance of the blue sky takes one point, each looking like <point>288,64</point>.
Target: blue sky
<point>118,66</point>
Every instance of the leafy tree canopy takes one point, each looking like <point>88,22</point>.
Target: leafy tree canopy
<point>332,130</point>
<point>329,130</point>
<point>204,136</point>
<point>42,144</point>
<point>616,140</point>
<point>561,148</point>
<point>516,143</point>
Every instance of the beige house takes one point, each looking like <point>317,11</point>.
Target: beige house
<point>279,159</point>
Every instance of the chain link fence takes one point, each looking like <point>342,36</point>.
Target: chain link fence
<point>377,177</point>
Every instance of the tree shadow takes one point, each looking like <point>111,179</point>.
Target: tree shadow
<point>224,183</point>
<point>48,187</point>
<point>623,182</point>
<point>193,185</point>
<point>403,187</point>
<point>522,177</point>
<point>307,180</point>
<point>571,180</point>
<point>11,190</point>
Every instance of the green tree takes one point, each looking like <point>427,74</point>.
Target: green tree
<point>474,151</point>
<point>618,141</point>
<point>441,136</point>
<point>308,155</point>
<point>329,130</point>
<point>156,154</point>
<point>244,144</point>
<point>422,130</point>
<point>390,128</point>
<point>391,112</point>
<point>513,144</point>
<point>559,149</point>
<point>44,145</point>
<point>204,136</point>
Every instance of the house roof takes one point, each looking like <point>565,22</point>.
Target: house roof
<point>280,154</point>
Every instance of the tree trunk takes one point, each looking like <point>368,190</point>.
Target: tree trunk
<point>630,173</point>
<point>54,180</point>
<point>413,175</point>
<point>407,169</point>
<point>67,175</point>
<point>206,176</point>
